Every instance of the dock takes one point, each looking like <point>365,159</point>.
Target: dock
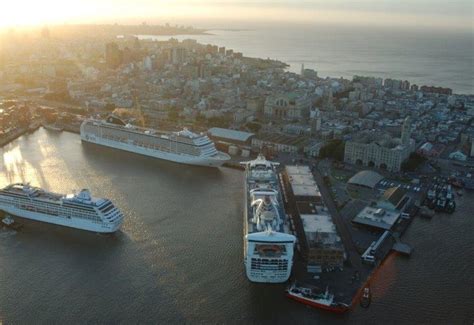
<point>402,248</point>
<point>365,250</point>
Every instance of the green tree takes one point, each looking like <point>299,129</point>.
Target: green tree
<point>333,149</point>
<point>413,162</point>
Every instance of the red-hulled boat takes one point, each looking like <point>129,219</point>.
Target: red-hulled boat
<point>322,300</point>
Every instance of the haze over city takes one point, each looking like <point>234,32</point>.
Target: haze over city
<point>236,162</point>
<point>437,14</point>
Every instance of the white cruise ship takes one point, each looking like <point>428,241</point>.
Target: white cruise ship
<point>79,211</point>
<point>182,147</point>
<point>268,244</point>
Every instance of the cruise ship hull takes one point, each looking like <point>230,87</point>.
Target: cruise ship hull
<point>269,277</point>
<point>212,161</point>
<point>76,223</point>
<point>263,274</point>
<point>263,277</point>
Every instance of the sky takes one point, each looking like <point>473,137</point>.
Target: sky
<point>437,14</point>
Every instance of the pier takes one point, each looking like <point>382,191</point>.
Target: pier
<point>360,265</point>
<point>402,248</point>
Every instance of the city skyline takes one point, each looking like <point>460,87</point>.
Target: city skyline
<point>455,15</point>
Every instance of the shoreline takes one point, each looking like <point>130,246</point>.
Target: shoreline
<point>12,136</point>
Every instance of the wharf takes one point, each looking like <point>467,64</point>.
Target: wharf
<point>12,135</point>
<point>73,128</point>
<point>346,283</point>
<point>402,248</point>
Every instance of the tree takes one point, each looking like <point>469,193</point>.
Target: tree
<point>109,107</point>
<point>413,162</point>
<point>173,115</point>
<point>333,149</point>
<point>253,127</point>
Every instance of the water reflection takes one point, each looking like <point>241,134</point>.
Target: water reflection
<point>166,212</point>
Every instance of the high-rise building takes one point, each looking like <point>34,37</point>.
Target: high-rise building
<point>178,55</point>
<point>315,121</point>
<point>147,63</point>
<point>113,55</point>
<point>406,131</point>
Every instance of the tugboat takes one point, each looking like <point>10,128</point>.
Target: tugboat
<point>366,298</point>
<point>8,222</point>
<point>431,197</point>
<point>310,297</point>
<point>451,206</point>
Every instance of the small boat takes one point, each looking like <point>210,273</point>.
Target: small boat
<point>459,192</point>
<point>366,298</point>
<point>455,182</point>
<point>321,300</point>
<point>8,222</point>
<point>425,212</point>
<point>451,206</point>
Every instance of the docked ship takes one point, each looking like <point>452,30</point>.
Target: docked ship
<point>181,147</point>
<point>311,297</point>
<point>268,243</point>
<point>81,211</point>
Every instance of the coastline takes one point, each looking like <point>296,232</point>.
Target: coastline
<point>333,59</point>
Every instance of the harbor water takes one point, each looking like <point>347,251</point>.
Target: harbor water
<point>178,256</point>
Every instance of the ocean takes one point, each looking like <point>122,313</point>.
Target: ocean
<point>439,58</point>
<point>178,257</point>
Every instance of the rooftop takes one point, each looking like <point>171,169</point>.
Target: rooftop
<point>302,181</point>
<point>394,196</point>
<point>377,217</point>
<point>318,223</point>
<point>230,134</point>
<point>305,207</point>
<point>320,231</point>
<point>298,170</point>
<point>366,178</point>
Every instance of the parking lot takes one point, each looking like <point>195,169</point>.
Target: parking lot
<point>387,183</point>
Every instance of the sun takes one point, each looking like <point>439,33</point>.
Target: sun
<point>39,12</point>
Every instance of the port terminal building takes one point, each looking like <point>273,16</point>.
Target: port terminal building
<point>231,141</point>
<point>321,245</point>
<point>235,137</point>
<point>386,212</point>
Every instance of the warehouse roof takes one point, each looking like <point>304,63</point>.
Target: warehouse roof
<point>230,134</point>
<point>366,178</point>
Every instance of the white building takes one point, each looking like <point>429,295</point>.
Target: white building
<point>380,151</point>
